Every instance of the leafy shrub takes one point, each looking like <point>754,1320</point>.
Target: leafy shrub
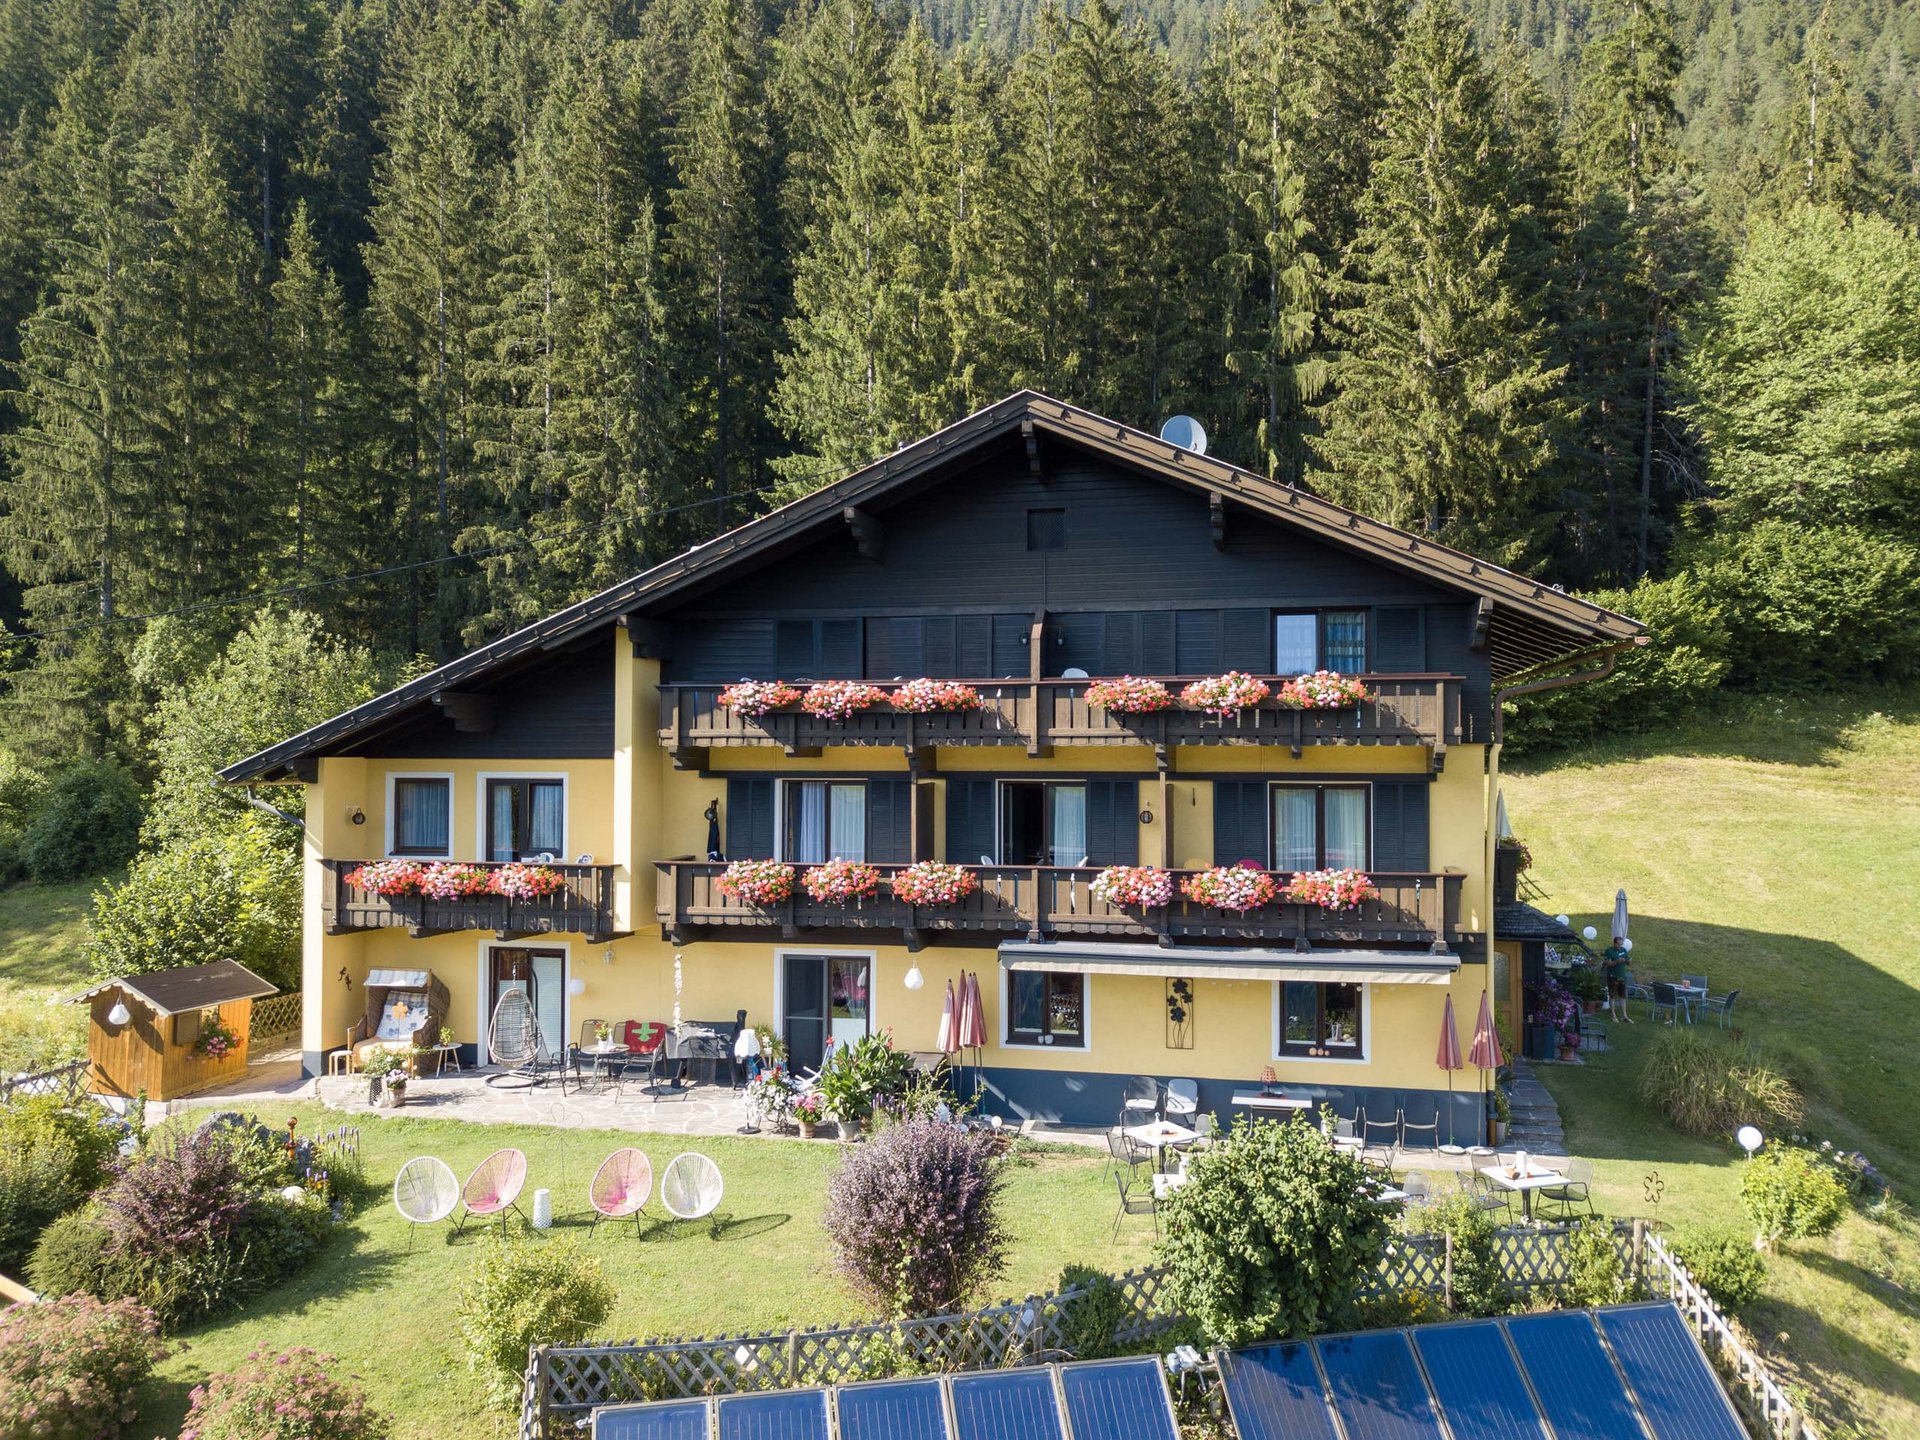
<point>1725,1262</point>
<point>1270,1235</point>
<point>89,824</point>
<point>1789,1195</point>
<point>70,1368</point>
<point>39,1031</point>
<point>76,1256</point>
<point>228,897</point>
<point>552,1293</point>
<point>1090,1321</point>
<point>1595,1275</point>
<point>1479,1287</point>
<point>853,1078</point>
<point>51,1159</point>
<point>1707,1083</point>
<point>288,1397</point>
<point>914,1217</point>
<point>23,790</point>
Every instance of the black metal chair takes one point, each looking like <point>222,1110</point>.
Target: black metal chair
<point>1125,1153</point>
<point>1131,1204</point>
<point>1576,1194</point>
<point>1428,1132</point>
<point>1666,998</point>
<point>1140,1101</point>
<point>1380,1138</point>
<point>1720,1006</point>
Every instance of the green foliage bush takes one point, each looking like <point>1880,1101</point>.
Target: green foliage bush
<point>76,1256</point>
<point>547,1293</point>
<point>1479,1288</point>
<point>1725,1262</point>
<point>1595,1274</point>
<point>51,1159</point>
<point>289,1396</point>
<point>1270,1235</point>
<point>1705,1082</point>
<point>231,897</point>
<point>1790,1195</point>
<point>89,824</point>
<point>1091,1320</point>
<point>71,1368</point>
<point>23,790</point>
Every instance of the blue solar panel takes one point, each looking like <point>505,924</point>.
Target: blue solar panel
<point>1005,1405</point>
<point>1377,1387</point>
<point>1118,1400</point>
<point>1679,1395</point>
<point>892,1410</point>
<point>1477,1383</point>
<point>1274,1393</point>
<point>1579,1388</point>
<point>667,1420</point>
<point>776,1415</point>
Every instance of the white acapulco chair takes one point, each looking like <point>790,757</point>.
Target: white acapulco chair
<point>691,1187</point>
<point>425,1192</point>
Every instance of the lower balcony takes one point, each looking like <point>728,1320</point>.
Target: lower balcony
<point>1040,902</point>
<point>583,905</point>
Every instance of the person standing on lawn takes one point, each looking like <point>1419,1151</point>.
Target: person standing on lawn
<point>1615,956</point>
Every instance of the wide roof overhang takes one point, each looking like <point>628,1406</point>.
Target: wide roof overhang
<point>1340,967</point>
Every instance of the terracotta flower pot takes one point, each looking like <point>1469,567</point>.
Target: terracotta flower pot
<point>807,1128</point>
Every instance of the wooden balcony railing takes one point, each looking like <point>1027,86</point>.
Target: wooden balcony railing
<point>1407,710</point>
<point>583,906</point>
<point>1040,901</point>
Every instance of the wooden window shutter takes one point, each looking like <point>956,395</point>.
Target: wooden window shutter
<point>889,823</point>
<point>1074,642</point>
<point>970,832</point>
<point>1156,642</point>
<point>1399,639</point>
<point>1240,822</point>
<point>1246,640</point>
<point>1113,829</point>
<point>749,818</point>
<point>1196,642</point>
<point>1400,826</point>
<point>1009,647</point>
<point>938,648</point>
<point>793,651</point>
<point>1120,644</point>
<point>976,646</point>
<point>839,657</point>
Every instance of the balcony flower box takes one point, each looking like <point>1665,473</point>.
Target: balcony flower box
<point>388,878</point>
<point>931,884</point>
<point>1129,695</point>
<point>526,882</point>
<point>839,882</point>
<point>1225,695</point>
<point>756,882</point>
<point>455,881</point>
<point>756,697</point>
<point>1144,887</point>
<point>1332,889</point>
<point>923,697</point>
<point>1239,888</point>
<point>841,699</point>
<point>1322,690</point>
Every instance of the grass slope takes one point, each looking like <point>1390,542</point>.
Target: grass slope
<point>41,931</point>
<point>387,1310</point>
<point>1771,847</point>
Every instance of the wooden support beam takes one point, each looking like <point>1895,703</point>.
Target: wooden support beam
<point>915,941</point>
<point>1217,518</point>
<point>869,535</point>
<point>689,757</point>
<point>471,712</point>
<point>306,769</point>
<point>1036,467</point>
<point>651,639</point>
<point>1481,622</point>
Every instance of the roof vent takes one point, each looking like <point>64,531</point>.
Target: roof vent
<point>1186,432</point>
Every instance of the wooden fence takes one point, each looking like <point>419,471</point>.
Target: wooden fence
<point>68,1082</point>
<point>273,1018</point>
<point>563,1384</point>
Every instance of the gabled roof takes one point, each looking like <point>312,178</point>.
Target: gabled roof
<point>190,987</point>
<point>1530,624</point>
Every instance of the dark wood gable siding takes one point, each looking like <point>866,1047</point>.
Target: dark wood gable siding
<point>560,708</point>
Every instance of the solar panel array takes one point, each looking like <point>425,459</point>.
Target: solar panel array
<point>1629,1372</point>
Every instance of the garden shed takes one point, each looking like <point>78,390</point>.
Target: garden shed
<point>171,1032</point>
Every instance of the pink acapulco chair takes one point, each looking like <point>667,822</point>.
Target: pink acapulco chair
<point>494,1187</point>
<point>620,1187</point>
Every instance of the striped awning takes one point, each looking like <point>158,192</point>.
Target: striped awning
<point>1342,967</point>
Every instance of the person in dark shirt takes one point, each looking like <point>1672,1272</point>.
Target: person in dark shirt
<point>1615,956</point>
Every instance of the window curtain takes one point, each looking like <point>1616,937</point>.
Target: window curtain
<point>500,825</point>
<point>1347,641</point>
<point>1296,841</point>
<point>420,820</point>
<point>1296,644</point>
<point>808,826</point>
<point>1069,821</point>
<point>847,822</point>
<point>548,831</point>
<point>1346,829</point>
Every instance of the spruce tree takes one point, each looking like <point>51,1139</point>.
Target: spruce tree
<point>1444,410</point>
<point>1626,120</point>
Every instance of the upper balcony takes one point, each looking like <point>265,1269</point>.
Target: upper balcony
<point>1039,902</point>
<point>1407,710</point>
<point>582,906</point>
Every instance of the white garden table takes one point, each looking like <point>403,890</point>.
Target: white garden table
<point>1535,1178</point>
<point>1158,1134</point>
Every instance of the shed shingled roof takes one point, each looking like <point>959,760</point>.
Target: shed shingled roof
<point>189,987</point>
<point>1532,625</point>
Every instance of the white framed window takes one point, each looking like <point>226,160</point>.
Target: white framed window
<point>1320,827</point>
<point>420,815</point>
<point>1042,822</point>
<point>1307,640</point>
<point>822,820</point>
<point>1044,1009</point>
<point>521,816</point>
<point>1321,1020</point>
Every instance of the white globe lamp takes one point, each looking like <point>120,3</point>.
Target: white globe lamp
<point>1590,933</point>
<point>119,1014</point>
<point>1750,1139</point>
<point>1563,919</point>
<point>1626,945</point>
<point>914,979</point>
<point>576,986</point>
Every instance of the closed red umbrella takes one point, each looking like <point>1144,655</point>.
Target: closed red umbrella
<point>973,1020</point>
<point>1484,1053</point>
<point>1448,1057</point>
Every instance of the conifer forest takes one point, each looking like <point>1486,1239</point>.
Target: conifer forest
<point>420,318</point>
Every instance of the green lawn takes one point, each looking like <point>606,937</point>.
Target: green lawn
<point>41,930</point>
<point>387,1311</point>
<point>1773,848</point>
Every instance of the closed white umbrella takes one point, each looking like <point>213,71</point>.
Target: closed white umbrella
<point>1620,914</point>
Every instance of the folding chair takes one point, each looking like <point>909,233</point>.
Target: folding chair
<point>1131,1204</point>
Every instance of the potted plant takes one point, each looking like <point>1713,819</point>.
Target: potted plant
<point>1551,1010</point>
<point>1225,695</point>
<point>1332,889</point>
<point>1322,690</point>
<point>931,883</point>
<point>808,1112</point>
<point>754,698</point>
<point>756,882</point>
<point>386,1072</point>
<point>841,699</point>
<point>1142,887</point>
<point>1502,1115</point>
<point>1129,695</point>
<point>1238,888</point>
<point>1589,987</point>
<point>841,882</point>
<point>923,697</point>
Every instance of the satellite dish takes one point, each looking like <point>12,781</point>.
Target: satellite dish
<point>1186,432</point>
